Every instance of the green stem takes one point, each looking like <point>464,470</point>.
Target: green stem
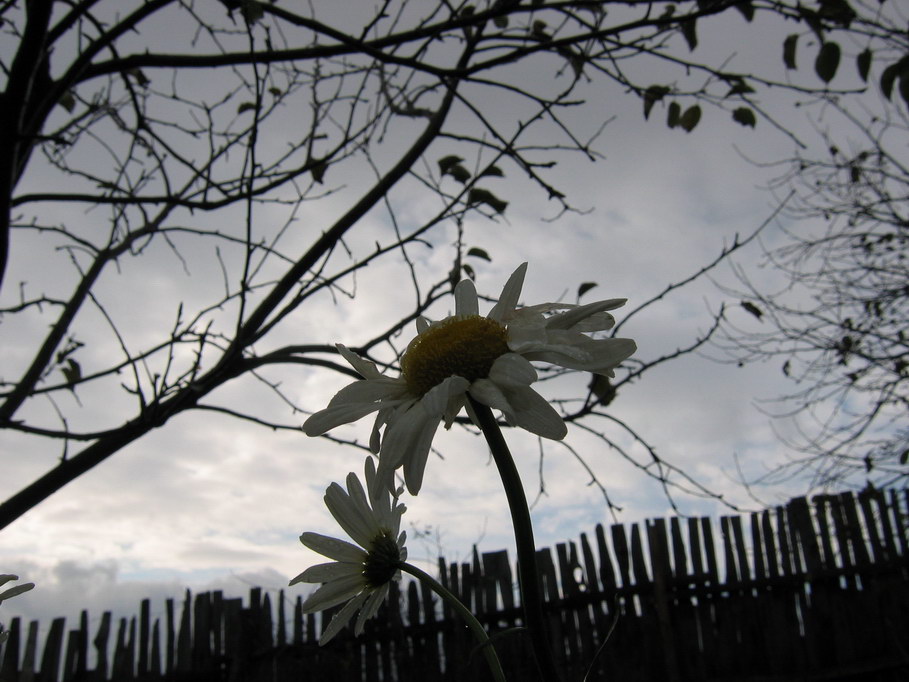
<point>528,576</point>
<point>478,631</point>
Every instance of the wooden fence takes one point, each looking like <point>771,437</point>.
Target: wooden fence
<point>809,591</point>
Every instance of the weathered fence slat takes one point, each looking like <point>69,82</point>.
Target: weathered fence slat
<point>50,659</point>
<point>184,637</point>
<point>814,589</point>
<point>9,666</point>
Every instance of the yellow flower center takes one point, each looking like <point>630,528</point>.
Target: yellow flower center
<point>459,346</point>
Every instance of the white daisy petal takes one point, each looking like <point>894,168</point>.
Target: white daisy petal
<point>525,338</point>
<point>398,434</point>
<point>418,455</point>
<point>608,353</point>
<point>407,441</point>
<point>332,417</point>
<point>595,355</point>
<point>570,318</point>
<point>342,617</point>
<point>350,515</point>
<point>422,324</point>
<point>339,550</point>
<point>512,369</point>
<point>435,402</point>
<point>490,394</point>
<point>466,302</point>
<point>365,368</point>
<point>368,391</point>
<point>361,501</point>
<point>598,322</point>
<point>382,418</point>
<point>333,593</point>
<point>370,608</point>
<point>510,295</point>
<point>323,573</point>
<point>455,403</point>
<point>532,412</point>
<point>377,496</point>
<point>11,592</point>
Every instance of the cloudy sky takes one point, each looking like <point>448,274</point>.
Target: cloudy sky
<point>209,502</point>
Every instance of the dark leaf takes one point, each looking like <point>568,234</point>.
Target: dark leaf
<point>863,64</point>
<point>789,46</point>
<point>274,92</point>
<point>483,196</point>
<point>888,78</point>
<point>837,12</point>
<point>246,106</point>
<point>690,118</point>
<point>904,86</point>
<point>139,77</point>
<point>786,368</point>
<point>652,95</point>
<point>690,33</point>
<point>814,22</point>
<point>459,173</point>
<point>73,373</point>
<point>493,171</point>
<point>67,101</point>
<point>469,271</point>
<point>905,456</point>
<point>252,11</point>
<point>479,253</point>
<point>753,309</point>
<point>745,116</point>
<point>602,388</point>
<point>827,62</point>
<point>447,162</point>
<point>575,60</point>
<point>673,115</point>
<point>318,169</point>
<point>585,287</point>
<point>739,87</point>
<point>501,22</point>
<point>746,8</point>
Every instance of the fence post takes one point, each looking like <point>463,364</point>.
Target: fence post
<point>662,576</point>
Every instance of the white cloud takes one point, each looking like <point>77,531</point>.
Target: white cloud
<point>209,501</point>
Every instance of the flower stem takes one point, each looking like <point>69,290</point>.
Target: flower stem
<point>528,576</point>
<point>479,632</point>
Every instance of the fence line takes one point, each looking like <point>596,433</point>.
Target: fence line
<point>815,590</point>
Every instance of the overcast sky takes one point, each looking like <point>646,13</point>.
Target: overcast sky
<point>211,502</point>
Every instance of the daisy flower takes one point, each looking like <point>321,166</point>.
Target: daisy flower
<point>358,575</point>
<point>9,593</point>
<point>488,358</point>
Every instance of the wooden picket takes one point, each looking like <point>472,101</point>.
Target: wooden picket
<point>812,590</point>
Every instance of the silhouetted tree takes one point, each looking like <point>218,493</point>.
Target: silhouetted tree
<point>247,143</point>
<point>837,324</point>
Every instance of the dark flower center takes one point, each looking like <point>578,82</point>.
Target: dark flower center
<point>383,556</point>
